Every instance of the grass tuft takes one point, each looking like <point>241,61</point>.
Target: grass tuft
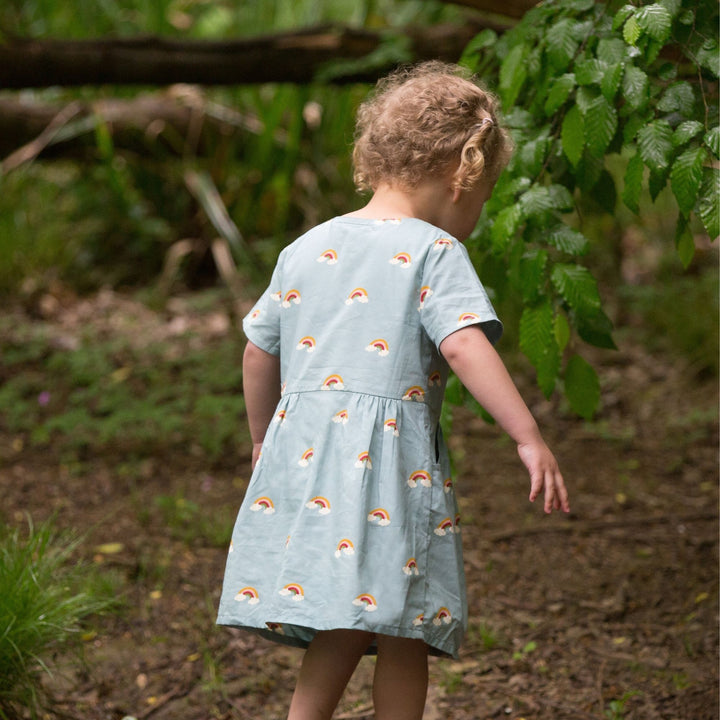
<point>45,599</point>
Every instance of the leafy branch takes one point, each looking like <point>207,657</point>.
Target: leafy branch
<point>581,81</point>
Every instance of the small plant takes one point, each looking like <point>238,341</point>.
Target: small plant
<point>485,636</point>
<point>616,708</point>
<point>44,601</point>
<point>525,651</point>
<point>451,680</point>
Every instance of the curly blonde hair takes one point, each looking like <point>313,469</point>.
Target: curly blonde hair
<point>423,120</point>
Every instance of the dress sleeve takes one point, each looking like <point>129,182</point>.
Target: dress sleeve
<point>452,296</point>
<point>262,324</point>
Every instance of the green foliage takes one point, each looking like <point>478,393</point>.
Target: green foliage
<point>46,598</point>
<point>114,396</point>
<point>112,219</point>
<point>616,708</point>
<point>580,82</point>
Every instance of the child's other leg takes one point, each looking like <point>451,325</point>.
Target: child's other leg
<point>327,666</point>
<point>401,678</point>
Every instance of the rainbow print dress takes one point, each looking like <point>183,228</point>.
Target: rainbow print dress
<point>350,519</point>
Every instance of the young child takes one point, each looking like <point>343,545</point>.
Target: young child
<point>348,540</point>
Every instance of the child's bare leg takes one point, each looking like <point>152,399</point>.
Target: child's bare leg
<point>327,666</point>
<point>401,678</point>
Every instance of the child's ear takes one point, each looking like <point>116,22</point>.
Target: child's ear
<point>457,192</point>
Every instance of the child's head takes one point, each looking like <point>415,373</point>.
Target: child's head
<point>422,123</point>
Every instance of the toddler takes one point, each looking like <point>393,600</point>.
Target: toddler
<point>349,539</point>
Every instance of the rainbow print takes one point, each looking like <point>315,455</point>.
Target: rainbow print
<point>445,527</point>
<point>307,343</point>
<point>306,457</point>
<point>344,547</point>
<point>254,315</point>
<point>419,620</point>
<point>363,460</point>
<point>333,382</point>
<point>248,593</point>
<point>341,417</point>
<point>264,504</point>
<point>457,524</point>
<point>293,590</point>
<point>425,293</point>
<point>467,318</point>
<point>402,258</point>
<point>275,627</point>
<point>379,515</point>
<point>448,485</point>
<point>380,346</point>
<point>443,244</point>
<point>435,378</point>
<point>414,393</point>
<point>280,417</point>
<point>319,503</point>
<point>276,296</point>
<point>410,567</point>
<point>291,296</point>
<point>359,294</point>
<point>231,548</point>
<point>442,616</point>
<point>366,601</point>
<point>420,476</point>
<point>391,426</point>
<point>329,256</point>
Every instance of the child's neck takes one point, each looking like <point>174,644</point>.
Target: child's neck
<point>391,202</point>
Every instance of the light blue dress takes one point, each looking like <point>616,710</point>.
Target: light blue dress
<point>350,519</point>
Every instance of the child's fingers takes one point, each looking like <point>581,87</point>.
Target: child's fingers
<point>559,493</point>
<point>556,495</point>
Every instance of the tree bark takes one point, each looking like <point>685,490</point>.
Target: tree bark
<point>285,57</point>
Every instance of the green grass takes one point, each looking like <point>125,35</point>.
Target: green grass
<point>45,603</point>
<point>111,396</point>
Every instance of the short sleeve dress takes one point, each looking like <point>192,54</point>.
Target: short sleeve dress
<point>350,518</point>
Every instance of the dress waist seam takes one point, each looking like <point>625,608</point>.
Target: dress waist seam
<point>398,398</point>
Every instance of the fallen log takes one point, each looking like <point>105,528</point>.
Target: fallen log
<point>294,57</point>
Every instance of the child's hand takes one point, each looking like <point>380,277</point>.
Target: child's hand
<point>544,475</point>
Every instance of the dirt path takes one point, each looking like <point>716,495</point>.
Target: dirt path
<point>611,613</point>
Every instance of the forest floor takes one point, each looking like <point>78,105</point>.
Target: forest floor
<point>608,613</point>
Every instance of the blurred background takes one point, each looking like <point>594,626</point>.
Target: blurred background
<point>142,207</point>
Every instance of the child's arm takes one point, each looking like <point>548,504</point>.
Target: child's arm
<point>261,387</point>
<point>479,367</point>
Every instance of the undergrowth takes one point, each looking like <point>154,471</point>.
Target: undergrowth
<point>116,397</point>
<point>46,601</point>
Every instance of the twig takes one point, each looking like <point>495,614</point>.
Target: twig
<point>32,149</point>
<point>164,700</point>
<point>601,525</point>
<point>601,671</point>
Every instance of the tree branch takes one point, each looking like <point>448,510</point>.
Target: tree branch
<point>178,121</point>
